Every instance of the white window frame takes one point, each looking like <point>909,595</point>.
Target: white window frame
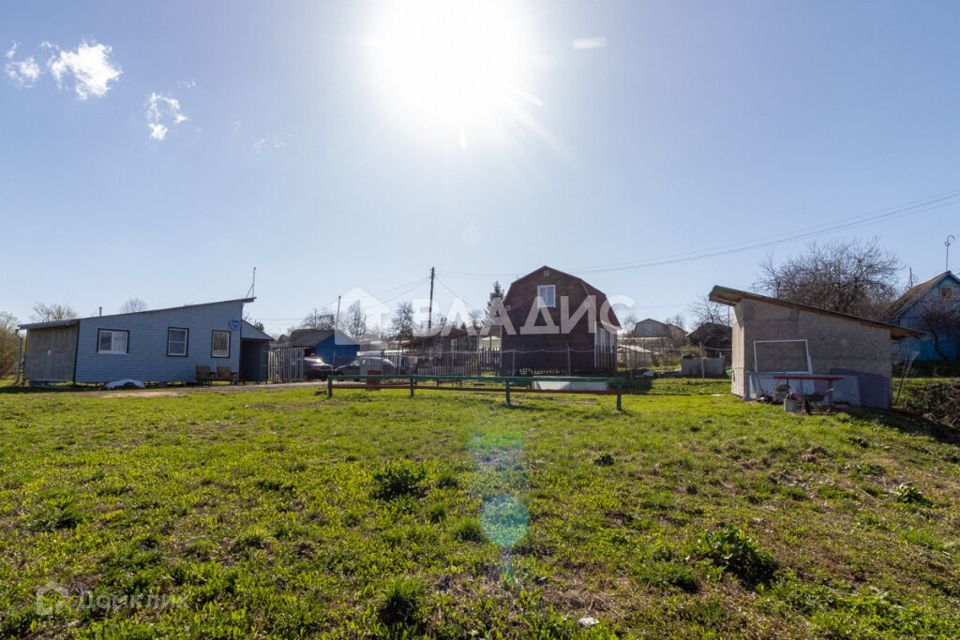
<point>213,351</point>
<point>806,348</point>
<point>114,349</point>
<point>186,342</point>
<point>541,298</point>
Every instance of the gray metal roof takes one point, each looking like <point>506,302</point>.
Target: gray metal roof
<point>65,323</point>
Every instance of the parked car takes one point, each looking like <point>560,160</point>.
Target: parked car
<point>314,367</point>
<point>361,366</point>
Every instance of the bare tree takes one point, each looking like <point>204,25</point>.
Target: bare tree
<point>477,318</point>
<point>356,320</point>
<point>849,276</point>
<point>133,305</point>
<point>403,324</point>
<point>8,343</point>
<point>318,319</point>
<point>705,311</point>
<point>940,317</point>
<point>677,320</point>
<point>52,312</point>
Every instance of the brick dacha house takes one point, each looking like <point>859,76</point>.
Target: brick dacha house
<point>551,322</point>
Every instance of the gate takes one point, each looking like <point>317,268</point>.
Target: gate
<point>285,364</point>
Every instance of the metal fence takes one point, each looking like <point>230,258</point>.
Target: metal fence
<point>285,364</point>
<point>511,362</point>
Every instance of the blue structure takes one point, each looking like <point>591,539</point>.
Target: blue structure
<point>163,345</point>
<point>906,312</point>
<point>334,346</point>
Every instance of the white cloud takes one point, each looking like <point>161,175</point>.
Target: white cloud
<point>163,112</point>
<point>89,66</point>
<point>25,72</point>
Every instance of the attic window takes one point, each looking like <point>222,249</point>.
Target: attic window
<point>946,292</point>
<point>547,295</point>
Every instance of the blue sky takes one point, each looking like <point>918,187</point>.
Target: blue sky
<point>681,126</point>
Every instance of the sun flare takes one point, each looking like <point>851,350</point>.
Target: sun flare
<point>455,63</point>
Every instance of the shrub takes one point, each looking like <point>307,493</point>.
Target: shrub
<point>604,460</point>
<point>447,480</point>
<point>59,513</point>
<point>908,494</point>
<point>400,604</point>
<point>469,530</point>
<point>399,479</point>
<point>735,552</point>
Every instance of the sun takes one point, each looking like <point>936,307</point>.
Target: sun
<point>459,64</point>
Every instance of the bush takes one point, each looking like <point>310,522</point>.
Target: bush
<point>735,552</point>
<point>400,604</point>
<point>469,530</point>
<point>908,494</point>
<point>938,401</point>
<point>399,479</point>
<point>604,460</point>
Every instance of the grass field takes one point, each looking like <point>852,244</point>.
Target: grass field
<point>234,513</point>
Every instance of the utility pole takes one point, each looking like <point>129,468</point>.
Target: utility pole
<point>336,321</point>
<point>950,239</point>
<point>430,308</point>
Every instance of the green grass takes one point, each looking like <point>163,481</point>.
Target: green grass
<point>274,513</point>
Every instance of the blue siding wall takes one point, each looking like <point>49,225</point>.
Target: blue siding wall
<point>147,359</point>
<point>910,320</point>
<point>336,354</point>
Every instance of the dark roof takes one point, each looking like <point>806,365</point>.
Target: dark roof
<point>63,323</point>
<point>914,294</point>
<point>313,337</point>
<point>710,330</point>
<point>442,333</point>
<point>728,296</point>
<point>600,296</point>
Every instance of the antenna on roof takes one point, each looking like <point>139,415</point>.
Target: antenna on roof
<point>950,238</point>
<point>253,284</point>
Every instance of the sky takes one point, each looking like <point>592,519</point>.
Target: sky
<point>163,150</point>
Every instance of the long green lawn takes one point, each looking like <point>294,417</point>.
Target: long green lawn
<point>275,513</point>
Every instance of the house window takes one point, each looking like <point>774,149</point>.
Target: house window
<point>177,341</point>
<point>547,293</point>
<point>220,344</point>
<point>946,292</point>
<point>113,341</point>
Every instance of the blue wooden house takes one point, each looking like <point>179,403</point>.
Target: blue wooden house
<point>907,311</point>
<point>162,345</point>
<point>334,346</point>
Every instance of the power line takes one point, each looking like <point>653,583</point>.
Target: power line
<point>911,208</point>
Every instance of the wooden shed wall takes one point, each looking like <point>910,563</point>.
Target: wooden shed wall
<point>51,354</point>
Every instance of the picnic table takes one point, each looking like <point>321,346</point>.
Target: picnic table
<point>815,397</point>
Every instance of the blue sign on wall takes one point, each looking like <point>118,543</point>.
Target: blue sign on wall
<point>234,324</point>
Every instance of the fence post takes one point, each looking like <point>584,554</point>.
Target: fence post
<point>508,393</point>
<point>513,362</point>
<point>619,396</point>
<point>330,386</point>
<point>411,386</point>
<point>569,365</point>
